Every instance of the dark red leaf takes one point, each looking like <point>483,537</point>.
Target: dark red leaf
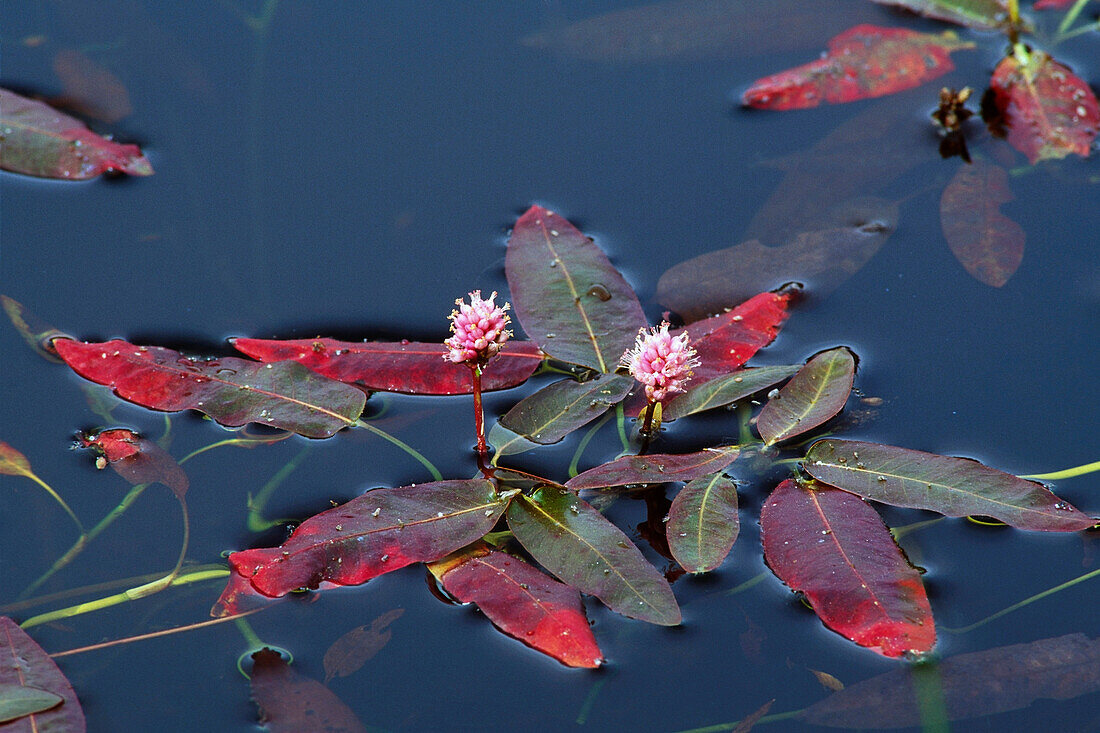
<point>833,547</point>
<point>862,62</point>
<point>137,459</point>
<point>232,391</point>
<point>351,651</point>
<point>402,366</point>
<point>1046,111</point>
<point>984,14</point>
<point>523,602</point>
<point>24,663</point>
<point>987,243</point>
<point>726,341</point>
<point>1052,4</point>
<point>40,141</point>
<point>655,468</point>
<point>290,703</point>
<point>813,396</point>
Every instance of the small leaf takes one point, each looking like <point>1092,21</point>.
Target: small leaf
<point>351,651</point>
<point>833,547</point>
<point>955,487</point>
<point>656,468</point>
<point>137,459</point>
<point>14,463</point>
<point>726,390</point>
<point>703,523</point>
<point>38,334</point>
<point>524,603</point>
<point>232,391</point>
<point>726,341</point>
<point>19,701</point>
<point>291,703</point>
<point>40,141</point>
<point>862,62</point>
<point>1046,110</point>
<point>987,243</point>
<point>553,412</point>
<point>983,14</point>
<point>576,543</point>
<point>813,396</point>
<point>567,296</point>
<point>24,664</point>
<point>403,366</point>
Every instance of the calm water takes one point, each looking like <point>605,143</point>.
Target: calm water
<point>352,169</point>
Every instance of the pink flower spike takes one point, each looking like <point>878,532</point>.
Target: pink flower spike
<point>478,328</point>
<point>661,362</point>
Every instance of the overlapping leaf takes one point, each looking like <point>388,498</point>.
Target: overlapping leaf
<point>726,341</point>
<point>833,547</point>
<point>983,14</point>
<point>703,523</point>
<point>567,296</point>
<point>953,486</point>
<point>137,459</point>
<point>403,366</point>
<point>553,412</point>
<point>725,390</point>
<point>292,703</point>
<point>862,62</point>
<point>576,543</point>
<point>813,396</point>
<point>19,701</point>
<point>232,391</point>
<point>24,664</point>
<point>655,468</point>
<point>987,243</point>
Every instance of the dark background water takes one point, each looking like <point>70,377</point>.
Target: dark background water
<point>352,169</point>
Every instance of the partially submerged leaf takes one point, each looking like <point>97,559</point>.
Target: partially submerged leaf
<point>983,14</point>
<point>567,295</point>
<point>725,390</point>
<point>38,334</point>
<point>955,487</point>
<point>291,703</point>
<point>137,459</point>
<point>576,543</point>
<point>14,463</point>
<point>987,243</point>
<point>553,412</point>
<point>403,366</point>
<point>726,341</point>
<point>862,62</point>
<point>19,701</point>
<point>24,664</point>
<point>834,548</point>
<point>351,651</point>
<point>655,468</point>
<point>813,396</point>
<point>703,523</point>
<point>40,141</point>
<point>232,391</point>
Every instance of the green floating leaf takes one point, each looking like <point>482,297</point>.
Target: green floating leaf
<point>817,393</point>
<point>953,486</point>
<point>576,543</point>
<point>656,468</point>
<point>703,523</point>
<point>24,664</point>
<point>726,390</point>
<point>553,412</point>
<point>17,701</point>
<point>507,443</point>
<point>984,14</point>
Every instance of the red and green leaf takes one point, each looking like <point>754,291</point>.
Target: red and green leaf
<point>40,141</point>
<point>553,412</point>
<point>813,396</point>
<point>726,390</point>
<point>402,366</point>
<point>24,664</point>
<point>834,548</point>
<point>955,487</point>
<point>566,294</point>
<point>983,14</point>
<point>523,602</point>
<point>232,391</point>
<point>703,523</point>
<point>137,459</point>
<point>656,468</point>
<point>19,701</point>
<point>726,341</point>
<point>291,703</point>
<point>987,243</point>
<point>14,463</point>
<point>583,549</point>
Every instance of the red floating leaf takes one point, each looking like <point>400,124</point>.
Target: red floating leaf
<point>726,341</point>
<point>813,396</point>
<point>523,602</point>
<point>862,62</point>
<point>703,523</point>
<point>984,14</point>
<point>834,548</point>
<point>25,664</point>
<point>232,391</point>
<point>1046,111</point>
<point>656,468</point>
<point>137,459</point>
<point>1052,4</point>
<point>291,703</point>
<point>403,366</point>
<point>987,243</point>
<point>40,141</point>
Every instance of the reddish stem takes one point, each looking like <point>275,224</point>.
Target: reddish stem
<point>479,419</point>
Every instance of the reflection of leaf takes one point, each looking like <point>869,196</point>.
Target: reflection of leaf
<point>862,62</point>
<point>290,703</point>
<point>137,459</point>
<point>89,88</point>
<point>655,468</point>
<point>23,663</point>
<point>833,547</point>
<point>973,685</point>
<point>817,393</point>
<point>351,651</point>
<point>987,243</point>
<point>985,14</point>
<point>703,523</point>
<point>554,411</point>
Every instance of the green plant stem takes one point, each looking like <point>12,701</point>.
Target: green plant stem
<point>744,415</point>
<point>242,442</point>
<point>256,504</point>
<point>57,497</point>
<point>1069,19</point>
<point>1082,30</point>
<point>585,441</point>
<point>620,417</point>
<point>1027,601</point>
<point>403,446</point>
<point>730,726</point>
<point>160,584</point>
<point>931,705</point>
<point>1066,473</point>
<point>742,587</point>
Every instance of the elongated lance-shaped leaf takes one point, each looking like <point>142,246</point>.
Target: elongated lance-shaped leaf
<point>986,242</point>
<point>233,391</point>
<point>19,701</point>
<point>379,532</point>
<point>817,393</point>
<point>402,366</point>
<point>956,487</point>
<point>554,411</point>
<point>703,523</point>
<point>983,14</point>
<point>576,543</point>
<point>726,390</point>
<point>655,468</point>
<point>23,663</point>
<point>567,296</point>
<point>834,548</point>
<point>523,602</point>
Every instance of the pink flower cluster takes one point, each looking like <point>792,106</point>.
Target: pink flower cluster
<point>660,361</point>
<point>479,330</point>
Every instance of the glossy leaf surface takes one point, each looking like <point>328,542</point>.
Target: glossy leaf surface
<point>137,459</point>
<point>40,141</point>
<point>567,295</point>
<point>524,603</point>
<point>291,703</point>
<point>24,664</point>
<point>703,523</point>
<point>351,651</point>
<point>985,14</point>
<point>987,243</point>
<point>813,396</point>
<point>232,391</point>
<point>655,468</point>
<point>576,543</point>
<point>834,548</point>
<point>956,487</point>
<point>558,409</point>
<point>723,391</point>
<point>18,701</point>
<point>1046,110</point>
<point>862,62</point>
<point>410,367</point>
<point>726,341</point>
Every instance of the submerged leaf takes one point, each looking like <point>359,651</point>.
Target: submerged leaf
<point>987,243</point>
<point>14,463</point>
<point>291,703</point>
<point>38,334</point>
<point>703,523</point>
<point>983,14</point>
<point>553,412</point>
<point>813,396</point>
<point>351,651</point>
<point>655,468</point>
<point>24,664</point>
<point>725,390</point>
<point>137,459</point>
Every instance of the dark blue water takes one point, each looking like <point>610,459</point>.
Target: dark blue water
<point>350,170</point>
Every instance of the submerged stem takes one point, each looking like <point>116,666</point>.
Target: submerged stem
<point>403,446</point>
<point>1065,473</point>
